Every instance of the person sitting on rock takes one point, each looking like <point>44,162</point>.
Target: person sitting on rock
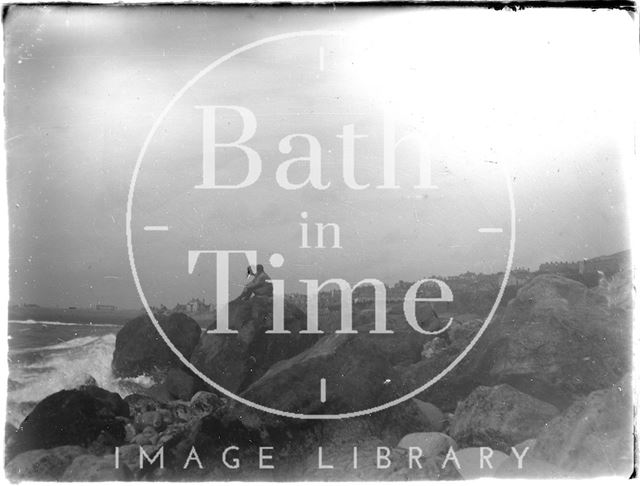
<point>258,285</point>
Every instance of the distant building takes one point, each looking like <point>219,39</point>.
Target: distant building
<point>197,306</point>
<point>608,264</point>
<point>559,267</point>
<point>105,307</point>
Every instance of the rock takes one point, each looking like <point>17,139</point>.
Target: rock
<point>437,354</point>
<point>498,417</point>
<point>95,468</point>
<point>205,402</point>
<point>432,413</point>
<point>73,417</point>
<point>157,419</point>
<point>148,436</point>
<point>180,384</point>
<point>432,444</point>
<point>404,346</point>
<point>520,448</point>
<point>559,340</point>
<point>42,464</point>
<point>473,466</point>
<point>556,341</point>
<point>236,360</point>
<point>370,467</point>
<point>354,381</point>
<point>140,349</point>
<point>593,437</point>
<point>141,403</point>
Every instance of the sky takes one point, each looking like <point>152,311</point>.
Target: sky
<point>537,100</point>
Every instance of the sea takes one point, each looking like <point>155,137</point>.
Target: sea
<point>47,356</point>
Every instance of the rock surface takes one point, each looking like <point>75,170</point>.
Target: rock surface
<point>140,348</point>
<point>559,340</point>
<point>592,437</point>
<point>180,384</point>
<point>473,466</point>
<point>375,461</point>
<point>236,360</point>
<point>73,417</point>
<point>404,346</point>
<point>556,341</point>
<point>354,381</point>
<point>433,414</point>
<point>42,464</point>
<point>499,417</point>
<point>437,354</point>
<point>432,444</point>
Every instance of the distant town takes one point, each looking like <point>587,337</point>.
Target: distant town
<point>473,290</point>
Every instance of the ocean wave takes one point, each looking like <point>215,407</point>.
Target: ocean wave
<point>58,323</point>
<point>66,366</point>
<point>72,343</point>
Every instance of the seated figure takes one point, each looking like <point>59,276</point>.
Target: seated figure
<point>258,285</point>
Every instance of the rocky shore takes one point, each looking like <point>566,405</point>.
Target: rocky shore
<point>546,392</point>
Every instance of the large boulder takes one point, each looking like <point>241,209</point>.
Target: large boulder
<point>499,417</point>
<point>438,353</point>
<point>559,340</point>
<point>593,437</point>
<point>42,464</point>
<point>356,378</point>
<point>404,346</point>
<point>236,360</point>
<point>141,350</point>
<point>73,417</point>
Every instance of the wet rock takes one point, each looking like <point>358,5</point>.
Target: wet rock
<point>95,468</point>
<point>140,349</point>
<point>42,464</point>
<point>73,417</point>
<point>498,417</point>
<point>236,360</point>
<point>592,437</point>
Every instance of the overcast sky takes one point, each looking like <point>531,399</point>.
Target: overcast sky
<point>541,93</point>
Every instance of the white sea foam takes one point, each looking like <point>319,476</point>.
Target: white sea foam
<point>65,366</point>
<point>58,323</point>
